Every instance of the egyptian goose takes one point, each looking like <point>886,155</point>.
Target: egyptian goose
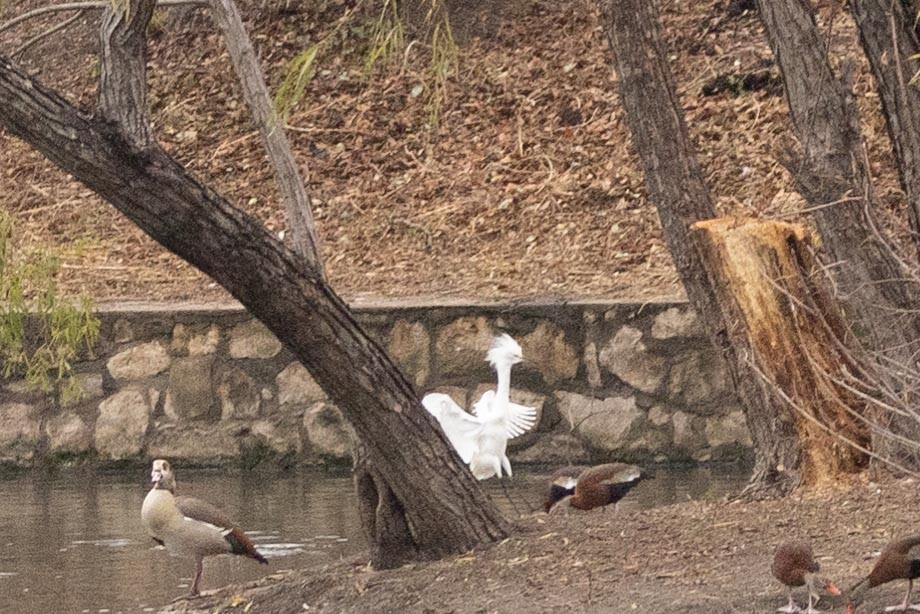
<point>585,488</point>
<point>794,565</point>
<point>900,560</point>
<point>190,527</point>
<point>481,438</point>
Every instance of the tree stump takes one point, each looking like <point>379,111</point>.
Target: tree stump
<point>792,338</point>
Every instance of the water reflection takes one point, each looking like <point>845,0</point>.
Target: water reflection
<point>73,541</point>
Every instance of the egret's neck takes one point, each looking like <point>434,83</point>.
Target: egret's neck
<point>503,390</point>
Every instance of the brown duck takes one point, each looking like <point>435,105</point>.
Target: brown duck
<point>900,560</point>
<point>585,488</point>
<point>190,527</point>
<point>794,565</point>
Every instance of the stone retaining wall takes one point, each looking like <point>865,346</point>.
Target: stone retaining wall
<point>611,380</point>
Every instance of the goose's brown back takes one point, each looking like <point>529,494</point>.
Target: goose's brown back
<point>604,484</point>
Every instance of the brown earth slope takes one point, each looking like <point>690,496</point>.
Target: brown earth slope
<point>706,558</point>
<point>527,187</point>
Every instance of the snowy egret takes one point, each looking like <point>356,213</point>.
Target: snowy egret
<point>481,438</point>
<point>585,488</point>
<point>189,527</point>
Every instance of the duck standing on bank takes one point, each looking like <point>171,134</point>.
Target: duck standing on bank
<point>190,527</point>
<point>794,565</point>
<point>585,488</point>
<point>900,560</point>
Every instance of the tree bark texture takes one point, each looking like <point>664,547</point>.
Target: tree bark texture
<point>443,506</point>
<point>831,174</point>
<point>290,184</point>
<point>123,69</point>
<point>889,38</point>
<point>387,528</point>
<point>676,186</point>
<point>887,35</point>
<point>382,516</point>
<point>774,298</point>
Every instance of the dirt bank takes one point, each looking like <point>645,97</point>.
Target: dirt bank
<point>711,557</point>
<point>527,187</point>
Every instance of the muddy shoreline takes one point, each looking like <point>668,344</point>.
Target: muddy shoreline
<point>711,557</point>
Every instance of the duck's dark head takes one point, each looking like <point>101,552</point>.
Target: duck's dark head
<point>855,595</point>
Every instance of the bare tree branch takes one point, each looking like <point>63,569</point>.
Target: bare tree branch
<point>810,418</point>
<point>290,184</point>
<point>39,37</point>
<point>85,6</point>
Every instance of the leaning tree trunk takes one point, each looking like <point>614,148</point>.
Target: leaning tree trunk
<point>676,186</point>
<point>774,300</point>
<point>443,508</point>
<point>832,176</point>
<point>122,101</point>
<point>888,38</point>
<point>383,516</point>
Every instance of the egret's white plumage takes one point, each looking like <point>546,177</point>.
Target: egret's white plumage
<point>460,427</point>
<point>481,438</point>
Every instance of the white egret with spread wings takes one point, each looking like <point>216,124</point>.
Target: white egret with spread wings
<point>481,437</point>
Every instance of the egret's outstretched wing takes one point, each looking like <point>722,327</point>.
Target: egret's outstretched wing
<point>461,428</point>
<point>517,419</point>
<point>520,419</point>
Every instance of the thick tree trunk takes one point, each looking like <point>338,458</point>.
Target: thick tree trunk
<point>773,297</point>
<point>382,516</point>
<point>832,176</point>
<point>676,186</point>
<point>442,505</point>
<point>382,513</point>
<point>123,70</point>
<point>888,38</point>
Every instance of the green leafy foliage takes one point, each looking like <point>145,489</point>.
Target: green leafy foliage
<point>40,332</point>
<point>386,42</point>
<point>387,37</point>
<point>297,77</point>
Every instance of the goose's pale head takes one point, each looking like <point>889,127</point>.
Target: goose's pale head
<point>162,476</point>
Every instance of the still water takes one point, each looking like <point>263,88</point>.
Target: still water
<point>73,541</point>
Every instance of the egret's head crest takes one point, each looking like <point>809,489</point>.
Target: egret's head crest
<point>504,350</point>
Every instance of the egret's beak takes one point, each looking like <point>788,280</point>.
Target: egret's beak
<point>831,588</point>
<point>155,476</point>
